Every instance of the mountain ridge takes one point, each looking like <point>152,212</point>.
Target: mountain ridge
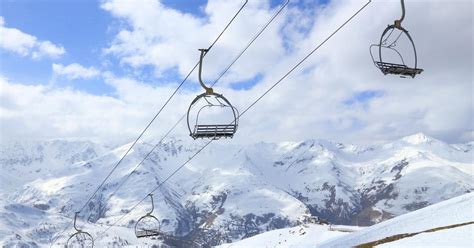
<point>233,191</point>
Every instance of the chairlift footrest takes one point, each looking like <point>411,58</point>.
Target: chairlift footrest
<point>398,69</point>
<point>147,233</point>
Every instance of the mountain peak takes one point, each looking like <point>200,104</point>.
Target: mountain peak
<point>418,138</point>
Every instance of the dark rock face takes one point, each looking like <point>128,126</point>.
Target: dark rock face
<point>41,206</point>
<point>416,205</point>
<point>361,210</point>
<point>202,230</point>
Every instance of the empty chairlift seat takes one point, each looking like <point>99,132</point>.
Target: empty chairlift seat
<point>205,130</point>
<point>148,225</point>
<point>388,45</point>
<point>207,102</point>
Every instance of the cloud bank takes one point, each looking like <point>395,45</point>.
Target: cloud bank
<point>337,94</point>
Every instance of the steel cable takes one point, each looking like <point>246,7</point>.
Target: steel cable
<point>245,111</point>
<point>214,83</point>
<point>152,120</point>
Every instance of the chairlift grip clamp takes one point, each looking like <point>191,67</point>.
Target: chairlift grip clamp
<point>398,23</point>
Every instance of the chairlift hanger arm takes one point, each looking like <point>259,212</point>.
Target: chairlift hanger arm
<point>75,217</point>
<point>398,23</point>
<point>203,53</point>
<point>79,232</point>
<point>152,204</point>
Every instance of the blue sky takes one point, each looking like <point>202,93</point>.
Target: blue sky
<point>84,29</point>
<point>81,27</point>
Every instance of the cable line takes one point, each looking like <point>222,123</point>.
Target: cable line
<point>214,83</point>
<point>245,111</point>
<point>154,117</point>
<point>158,113</point>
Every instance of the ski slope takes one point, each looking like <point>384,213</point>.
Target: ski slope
<point>450,212</point>
<point>307,235</point>
<point>456,237</point>
<point>454,211</point>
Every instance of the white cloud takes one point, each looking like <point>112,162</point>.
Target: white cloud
<point>44,112</point>
<point>48,49</point>
<point>174,41</point>
<point>24,44</point>
<point>75,71</point>
<point>308,104</point>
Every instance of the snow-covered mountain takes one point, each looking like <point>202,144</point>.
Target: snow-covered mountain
<point>226,193</point>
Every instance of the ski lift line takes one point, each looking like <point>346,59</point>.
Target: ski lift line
<point>206,130</point>
<point>157,114</point>
<point>248,108</point>
<point>228,24</point>
<point>306,57</point>
<point>251,42</point>
<point>54,239</point>
<point>143,160</point>
<point>158,186</point>
<point>214,83</point>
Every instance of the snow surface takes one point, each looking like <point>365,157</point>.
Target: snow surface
<point>457,237</point>
<point>308,235</point>
<point>454,211</point>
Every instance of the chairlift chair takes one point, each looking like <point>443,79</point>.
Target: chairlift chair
<point>80,238</point>
<point>148,225</point>
<point>396,68</point>
<point>212,100</point>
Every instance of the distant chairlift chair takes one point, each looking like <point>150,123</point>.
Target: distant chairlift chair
<point>400,68</point>
<point>211,131</point>
<point>80,238</point>
<point>148,225</point>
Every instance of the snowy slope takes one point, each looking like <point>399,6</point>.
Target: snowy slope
<point>228,192</point>
<point>455,237</point>
<point>454,211</point>
<point>308,235</point>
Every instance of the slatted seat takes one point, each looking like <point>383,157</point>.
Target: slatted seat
<point>398,69</point>
<point>214,131</point>
<point>146,233</point>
